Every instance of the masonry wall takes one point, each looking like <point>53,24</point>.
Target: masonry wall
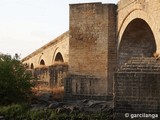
<point>136,93</point>
<point>51,76</point>
<point>92,44</point>
<point>136,85</point>
<point>85,87</point>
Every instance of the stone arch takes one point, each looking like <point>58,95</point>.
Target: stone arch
<point>42,62</point>
<point>134,14</point>
<point>26,65</point>
<point>59,57</point>
<point>137,41</point>
<point>32,66</point>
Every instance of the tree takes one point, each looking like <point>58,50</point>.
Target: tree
<point>15,85</point>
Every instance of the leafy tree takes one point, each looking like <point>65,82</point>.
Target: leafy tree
<point>15,83</point>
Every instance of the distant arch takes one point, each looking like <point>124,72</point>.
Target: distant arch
<point>26,65</point>
<point>42,62</point>
<point>59,57</point>
<point>32,66</point>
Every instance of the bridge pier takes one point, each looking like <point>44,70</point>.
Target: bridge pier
<point>92,49</point>
<point>52,76</point>
<point>136,89</point>
<point>85,87</point>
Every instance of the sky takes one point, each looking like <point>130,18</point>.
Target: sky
<point>26,25</point>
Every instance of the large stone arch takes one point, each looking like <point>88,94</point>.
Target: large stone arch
<point>137,41</point>
<point>136,37</point>
<point>134,14</point>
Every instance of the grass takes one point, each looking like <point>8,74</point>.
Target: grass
<point>57,92</point>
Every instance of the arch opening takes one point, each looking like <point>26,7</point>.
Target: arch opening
<point>59,57</point>
<point>32,66</point>
<point>42,62</point>
<point>137,41</point>
<point>26,65</point>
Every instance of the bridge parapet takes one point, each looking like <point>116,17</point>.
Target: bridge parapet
<point>124,3</point>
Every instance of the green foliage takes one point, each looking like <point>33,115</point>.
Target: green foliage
<point>37,114</point>
<point>23,112</point>
<point>13,111</point>
<point>15,83</point>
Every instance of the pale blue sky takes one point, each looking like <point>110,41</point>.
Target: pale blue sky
<point>26,25</point>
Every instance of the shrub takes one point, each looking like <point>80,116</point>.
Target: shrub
<point>37,114</point>
<point>13,111</point>
<point>23,112</point>
<point>15,83</point>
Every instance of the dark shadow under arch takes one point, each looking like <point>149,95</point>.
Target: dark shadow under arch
<point>59,57</point>
<point>42,62</point>
<point>32,66</point>
<point>137,41</point>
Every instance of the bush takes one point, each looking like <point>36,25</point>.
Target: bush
<point>13,111</point>
<point>37,114</point>
<point>15,83</point>
<point>23,112</point>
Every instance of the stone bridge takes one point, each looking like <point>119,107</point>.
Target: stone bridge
<point>50,62</point>
<point>111,52</point>
<point>55,51</point>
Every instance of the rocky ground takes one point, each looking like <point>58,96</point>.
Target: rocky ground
<point>45,100</point>
<point>47,105</point>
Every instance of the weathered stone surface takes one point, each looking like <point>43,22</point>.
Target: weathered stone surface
<point>92,48</point>
<point>136,87</point>
<point>51,76</point>
<point>82,87</point>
